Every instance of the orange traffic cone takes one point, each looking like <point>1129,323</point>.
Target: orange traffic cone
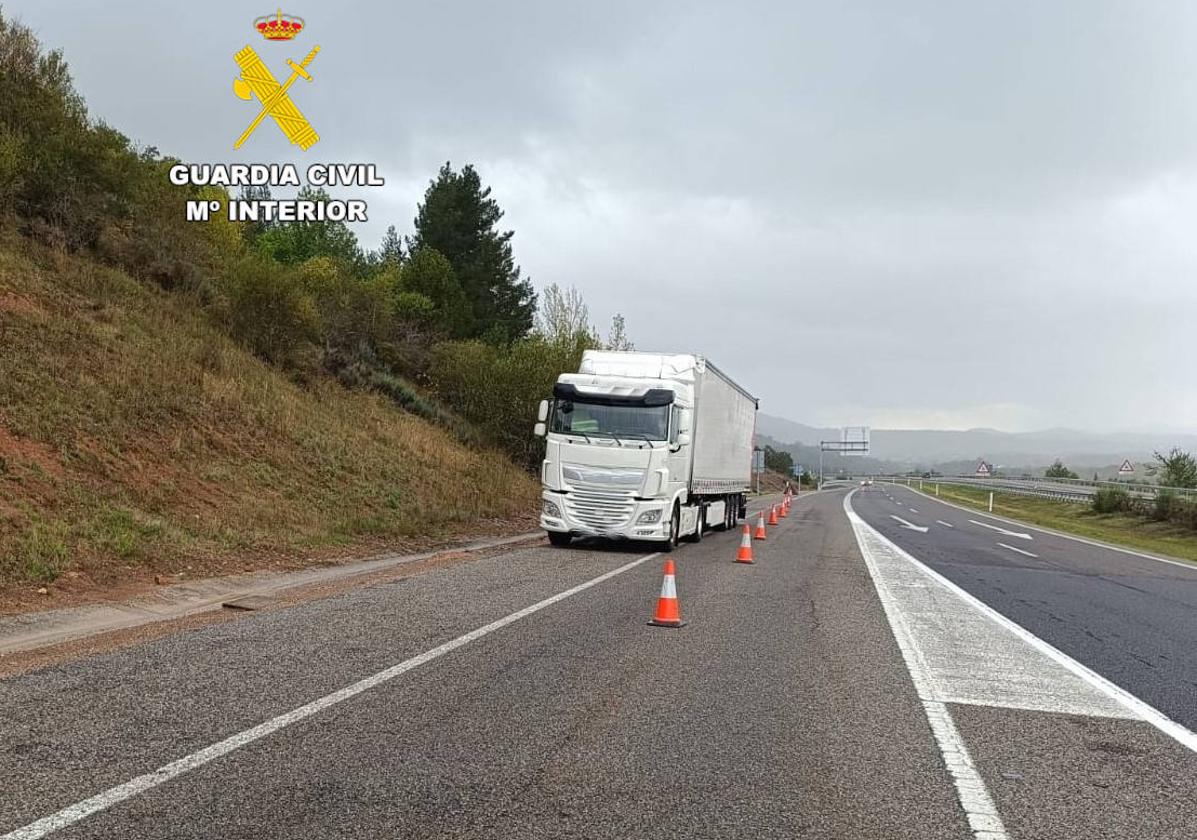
<point>773,515</point>
<point>667,612</point>
<point>785,508</point>
<point>744,555</point>
<point>760,527</point>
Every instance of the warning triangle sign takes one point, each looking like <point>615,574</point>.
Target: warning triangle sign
<point>1126,467</point>
<point>983,468</point>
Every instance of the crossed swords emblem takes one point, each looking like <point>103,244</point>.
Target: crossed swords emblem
<point>257,80</point>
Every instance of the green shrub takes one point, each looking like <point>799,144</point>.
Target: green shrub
<point>497,388</point>
<point>1111,500</point>
<point>270,311</point>
<point>1167,506</point>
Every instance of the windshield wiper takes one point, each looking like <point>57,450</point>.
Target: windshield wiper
<point>612,436</point>
<point>647,439</point>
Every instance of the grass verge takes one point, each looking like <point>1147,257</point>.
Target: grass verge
<point>1071,518</point>
<point>137,439</point>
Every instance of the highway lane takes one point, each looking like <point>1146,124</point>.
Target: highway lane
<point>1064,753</point>
<point>782,709</point>
<point>831,690</point>
<point>1129,618</point>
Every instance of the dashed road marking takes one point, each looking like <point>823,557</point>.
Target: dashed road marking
<point>1192,567</point>
<point>944,524</point>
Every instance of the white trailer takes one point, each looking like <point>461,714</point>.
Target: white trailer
<point>645,446</point>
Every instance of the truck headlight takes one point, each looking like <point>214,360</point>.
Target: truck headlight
<point>649,516</point>
<point>551,509</point>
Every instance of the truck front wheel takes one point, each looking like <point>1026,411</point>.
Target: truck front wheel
<point>559,539</point>
<point>675,527</point>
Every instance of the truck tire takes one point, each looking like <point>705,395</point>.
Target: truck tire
<point>675,528</point>
<point>559,539</point>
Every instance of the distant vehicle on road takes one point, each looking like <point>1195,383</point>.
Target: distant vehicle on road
<point>868,482</point>
<point>645,446</point>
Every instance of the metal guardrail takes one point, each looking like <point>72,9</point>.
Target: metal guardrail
<point>1072,490</point>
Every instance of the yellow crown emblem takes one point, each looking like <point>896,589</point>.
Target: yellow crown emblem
<point>278,27</point>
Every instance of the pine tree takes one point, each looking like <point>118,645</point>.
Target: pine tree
<point>458,218</point>
<point>390,252</point>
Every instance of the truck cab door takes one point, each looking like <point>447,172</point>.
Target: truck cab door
<point>678,460</point>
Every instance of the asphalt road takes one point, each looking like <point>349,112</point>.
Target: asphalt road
<point>1129,618</point>
<point>523,695</point>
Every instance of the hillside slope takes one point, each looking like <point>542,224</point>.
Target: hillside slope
<point>136,438</point>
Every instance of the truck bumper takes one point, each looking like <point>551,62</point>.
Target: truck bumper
<point>555,515</point>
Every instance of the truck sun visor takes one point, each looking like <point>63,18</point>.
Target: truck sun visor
<point>650,398</point>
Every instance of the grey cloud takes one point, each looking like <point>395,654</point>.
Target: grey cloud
<point>910,213</point>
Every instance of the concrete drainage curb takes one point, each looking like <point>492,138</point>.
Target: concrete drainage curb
<point>259,590</point>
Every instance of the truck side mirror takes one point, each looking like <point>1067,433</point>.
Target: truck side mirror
<point>683,420</point>
<point>542,413</point>
<point>683,439</point>
<point>539,430</point>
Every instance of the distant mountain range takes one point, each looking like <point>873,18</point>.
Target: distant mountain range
<point>959,451</point>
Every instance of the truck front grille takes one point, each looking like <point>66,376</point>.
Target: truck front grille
<point>601,509</point>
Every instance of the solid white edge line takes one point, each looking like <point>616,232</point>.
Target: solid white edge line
<point>1133,704</point>
<point>101,801</point>
<point>971,792</point>
<point>1019,550</point>
<point>1192,567</point>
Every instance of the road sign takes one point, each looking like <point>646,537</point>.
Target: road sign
<point>1127,467</point>
<point>758,460</point>
<point>984,470</point>
<point>854,440</point>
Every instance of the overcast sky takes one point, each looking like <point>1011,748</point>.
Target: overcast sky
<point>897,214</point>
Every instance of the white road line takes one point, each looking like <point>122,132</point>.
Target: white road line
<point>944,524</point>
<point>1130,705</point>
<point>1192,567</point>
<point>1018,534</point>
<point>914,510</point>
<point>971,792</point>
<point>909,525</point>
<point>1019,550</point>
<point>87,807</point>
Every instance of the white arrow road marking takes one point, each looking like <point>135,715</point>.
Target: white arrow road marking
<point>1019,550</point>
<point>910,525</point>
<point>1018,534</point>
<point>944,524</point>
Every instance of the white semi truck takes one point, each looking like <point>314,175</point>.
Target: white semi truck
<point>645,446</point>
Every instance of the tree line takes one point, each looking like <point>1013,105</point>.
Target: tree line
<point>442,321</point>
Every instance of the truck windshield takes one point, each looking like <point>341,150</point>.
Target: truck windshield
<point>634,421</point>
